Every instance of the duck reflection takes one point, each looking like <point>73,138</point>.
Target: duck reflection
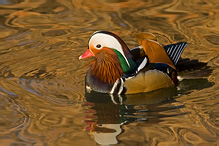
<point>106,114</point>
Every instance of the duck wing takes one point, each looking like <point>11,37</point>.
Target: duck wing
<point>147,81</point>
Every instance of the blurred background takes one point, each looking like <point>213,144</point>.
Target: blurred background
<point>42,97</point>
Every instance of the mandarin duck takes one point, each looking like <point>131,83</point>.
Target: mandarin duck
<point>118,70</point>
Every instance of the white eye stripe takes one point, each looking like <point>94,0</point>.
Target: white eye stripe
<point>106,40</point>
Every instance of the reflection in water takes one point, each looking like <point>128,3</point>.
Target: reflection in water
<point>42,82</point>
<point>104,121</point>
<point>106,114</point>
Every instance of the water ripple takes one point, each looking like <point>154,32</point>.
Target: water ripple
<point>42,81</point>
<point>55,92</point>
<point>13,116</point>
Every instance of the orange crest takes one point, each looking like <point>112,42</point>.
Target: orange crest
<point>155,52</point>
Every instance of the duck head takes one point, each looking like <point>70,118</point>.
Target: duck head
<point>112,57</point>
<point>102,40</point>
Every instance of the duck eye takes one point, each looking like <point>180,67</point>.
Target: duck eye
<point>98,46</point>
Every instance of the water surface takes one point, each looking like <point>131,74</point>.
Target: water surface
<point>42,97</point>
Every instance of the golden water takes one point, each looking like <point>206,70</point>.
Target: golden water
<point>42,98</point>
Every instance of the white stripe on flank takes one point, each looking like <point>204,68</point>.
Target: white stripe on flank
<point>121,86</point>
<point>114,86</point>
<point>142,65</point>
